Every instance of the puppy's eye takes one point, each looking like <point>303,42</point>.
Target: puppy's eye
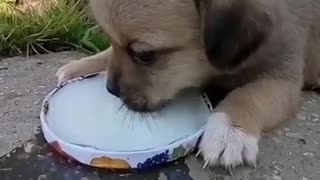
<point>142,57</point>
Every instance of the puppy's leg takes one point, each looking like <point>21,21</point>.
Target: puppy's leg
<point>87,65</point>
<point>312,59</point>
<point>233,131</point>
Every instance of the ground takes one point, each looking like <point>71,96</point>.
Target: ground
<point>290,153</point>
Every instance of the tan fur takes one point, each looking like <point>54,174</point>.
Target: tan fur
<point>263,104</point>
<point>124,22</point>
<point>265,86</point>
<point>87,65</point>
<point>312,62</point>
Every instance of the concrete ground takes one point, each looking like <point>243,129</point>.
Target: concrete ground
<point>290,153</point>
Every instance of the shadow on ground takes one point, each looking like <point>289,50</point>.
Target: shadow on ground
<point>36,160</point>
<point>290,153</point>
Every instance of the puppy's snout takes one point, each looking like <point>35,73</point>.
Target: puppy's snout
<point>113,87</point>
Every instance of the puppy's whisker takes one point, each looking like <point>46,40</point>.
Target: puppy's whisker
<point>140,117</point>
<point>122,105</point>
<point>147,116</point>
<point>144,118</point>
<point>134,119</point>
<point>120,108</point>
<point>129,116</point>
<point>153,117</point>
<point>124,117</point>
<point>132,116</point>
<point>148,124</point>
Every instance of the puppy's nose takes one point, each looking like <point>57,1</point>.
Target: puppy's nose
<point>113,87</point>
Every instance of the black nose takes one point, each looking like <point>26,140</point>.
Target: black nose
<point>113,88</point>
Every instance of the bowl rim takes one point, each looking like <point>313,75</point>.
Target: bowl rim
<point>47,130</point>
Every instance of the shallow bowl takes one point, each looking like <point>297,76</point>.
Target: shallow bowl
<point>82,121</point>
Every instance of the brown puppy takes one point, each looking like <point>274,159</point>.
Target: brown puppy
<point>262,51</point>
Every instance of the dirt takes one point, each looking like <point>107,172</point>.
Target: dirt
<point>23,84</point>
<point>289,153</point>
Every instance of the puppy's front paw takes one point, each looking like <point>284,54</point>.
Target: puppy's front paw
<point>227,145</point>
<point>67,72</point>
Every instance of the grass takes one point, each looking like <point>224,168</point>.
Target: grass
<point>64,25</point>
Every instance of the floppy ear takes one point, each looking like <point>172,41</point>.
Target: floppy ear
<point>232,30</point>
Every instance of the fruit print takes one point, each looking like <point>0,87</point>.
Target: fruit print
<point>155,161</point>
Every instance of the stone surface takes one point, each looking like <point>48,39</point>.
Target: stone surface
<point>289,153</point>
<point>23,84</point>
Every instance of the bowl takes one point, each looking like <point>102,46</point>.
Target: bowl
<point>83,121</point>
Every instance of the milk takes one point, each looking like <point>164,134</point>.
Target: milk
<point>85,113</point>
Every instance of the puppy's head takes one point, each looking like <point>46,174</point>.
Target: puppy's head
<point>157,47</point>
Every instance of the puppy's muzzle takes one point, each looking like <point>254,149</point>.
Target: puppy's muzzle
<point>113,87</point>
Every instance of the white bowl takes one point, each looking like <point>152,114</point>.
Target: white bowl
<point>83,121</point>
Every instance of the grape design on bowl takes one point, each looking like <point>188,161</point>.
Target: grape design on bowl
<point>155,161</point>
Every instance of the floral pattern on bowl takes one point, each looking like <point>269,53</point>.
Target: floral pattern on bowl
<point>91,156</point>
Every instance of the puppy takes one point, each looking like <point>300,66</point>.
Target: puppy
<point>262,51</point>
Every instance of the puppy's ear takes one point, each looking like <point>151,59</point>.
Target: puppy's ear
<point>232,30</point>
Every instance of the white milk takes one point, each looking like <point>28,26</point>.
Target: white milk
<point>85,113</point>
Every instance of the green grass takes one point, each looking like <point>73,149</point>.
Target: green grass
<point>64,26</point>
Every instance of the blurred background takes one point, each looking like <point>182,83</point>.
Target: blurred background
<point>30,27</point>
